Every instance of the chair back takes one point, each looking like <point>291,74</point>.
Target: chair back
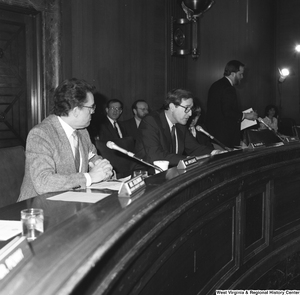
<point>12,168</point>
<point>297,131</point>
<point>123,164</point>
<point>286,126</point>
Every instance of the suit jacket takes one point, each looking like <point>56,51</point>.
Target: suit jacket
<point>223,116</point>
<point>107,131</point>
<point>131,128</point>
<point>155,141</point>
<point>50,165</point>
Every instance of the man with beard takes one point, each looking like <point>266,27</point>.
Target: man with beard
<point>139,109</point>
<point>163,134</point>
<point>223,116</point>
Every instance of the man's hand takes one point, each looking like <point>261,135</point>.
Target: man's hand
<point>251,116</point>
<point>100,170</point>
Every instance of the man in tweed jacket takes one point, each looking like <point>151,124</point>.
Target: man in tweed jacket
<point>50,165</point>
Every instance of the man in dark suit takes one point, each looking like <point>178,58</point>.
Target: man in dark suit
<point>110,128</point>
<point>156,141</point>
<point>59,152</point>
<point>139,109</point>
<point>223,116</point>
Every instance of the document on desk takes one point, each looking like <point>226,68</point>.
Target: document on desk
<point>94,193</point>
<point>83,197</point>
<point>247,123</point>
<point>9,229</point>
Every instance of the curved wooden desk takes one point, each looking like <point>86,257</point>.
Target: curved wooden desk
<point>232,222</point>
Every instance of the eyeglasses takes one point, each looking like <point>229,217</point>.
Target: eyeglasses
<point>91,108</point>
<point>186,109</point>
<point>117,109</point>
<point>143,109</point>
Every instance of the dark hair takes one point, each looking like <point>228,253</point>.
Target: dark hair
<point>134,105</point>
<point>176,96</point>
<point>269,107</point>
<point>69,94</point>
<point>232,66</point>
<point>113,101</point>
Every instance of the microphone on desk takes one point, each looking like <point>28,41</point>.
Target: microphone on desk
<point>260,120</point>
<point>200,129</point>
<point>111,145</point>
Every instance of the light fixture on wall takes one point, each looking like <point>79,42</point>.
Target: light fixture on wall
<point>283,74</point>
<point>184,27</point>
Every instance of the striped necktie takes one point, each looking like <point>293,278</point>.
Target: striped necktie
<point>76,148</point>
<point>115,125</point>
<point>173,136</point>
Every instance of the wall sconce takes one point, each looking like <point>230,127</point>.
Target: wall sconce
<point>184,28</point>
<point>283,74</point>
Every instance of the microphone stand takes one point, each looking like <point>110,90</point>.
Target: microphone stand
<point>111,145</point>
<point>199,128</point>
<point>146,163</point>
<point>271,129</point>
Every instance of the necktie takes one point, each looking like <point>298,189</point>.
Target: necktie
<point>173,136</point>
<point>76,148</point>
<point>115,125</point>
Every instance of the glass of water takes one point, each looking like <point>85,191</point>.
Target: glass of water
<point>32,223</point>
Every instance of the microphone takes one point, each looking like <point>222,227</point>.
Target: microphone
<point>111,145</point>
<point>200,129</point>
<point>260,120</point>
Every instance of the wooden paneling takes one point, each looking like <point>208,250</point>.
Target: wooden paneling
<point>287,30</point>
<point>119,47</point>
<point>226,223</point>
<point>14,99</point>
<point>242,30</point>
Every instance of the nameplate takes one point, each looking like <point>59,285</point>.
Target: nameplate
<point>131,186</point>
<point>291,139</point>
<point>261,144</point>
<point>257,145</point>
<point>13,255</point>
<point>188,162</point>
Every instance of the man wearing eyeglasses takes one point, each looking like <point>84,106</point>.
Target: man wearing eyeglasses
<point>59,153</point>
<point>140,109</point>
<point>163,134</point>
<point>110,126</point>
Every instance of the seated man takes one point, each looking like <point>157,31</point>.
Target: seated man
<point>156,141</point>
<point>110,127</point>
<point>139,109</point>
<point>59,152</point>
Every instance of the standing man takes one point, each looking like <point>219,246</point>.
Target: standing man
<point>140,109</point>
<point>59,152</point>
<point>163,134</point>
<point>110,128</point>
<point>223,119</point>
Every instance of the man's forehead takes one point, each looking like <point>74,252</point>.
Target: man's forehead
<point>142,104</point>
<point>241,69</point>
<point>187,101</point>
<point>114,104</point>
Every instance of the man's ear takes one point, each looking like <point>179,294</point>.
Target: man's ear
<point>106,110</point>
<point>172,106</point>
<point>75,111</point>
